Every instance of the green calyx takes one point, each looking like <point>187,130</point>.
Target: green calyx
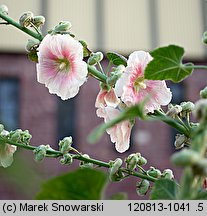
<point>63,65</point>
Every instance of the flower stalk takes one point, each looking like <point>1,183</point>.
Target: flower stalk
<point>10,21</point>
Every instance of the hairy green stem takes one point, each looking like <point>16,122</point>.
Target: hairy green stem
<point>97,74</point>
<point>196,67</point>
<point>173,123</point>
<point>56,154</point>
<point>9,20</point>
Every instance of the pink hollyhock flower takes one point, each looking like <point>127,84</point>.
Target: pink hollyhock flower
<point>133,88</point>
<point>60,65</point>
<point>119,133</point>
<point>107,98</point>
<point>6,152</point>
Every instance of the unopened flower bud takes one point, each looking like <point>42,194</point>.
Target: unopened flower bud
<point>201,109</point>
<point>32,44</point>
<point>115,173</point>
<point>86,51</point>
<point>154,172</point>
<point>26,18</point>
<point>26,137</point>
<point>84,164</point>
<point>142,161</point>
<point>38,21</point>
<point>95,58</point>
<point>203,93</point>
<point>4,9</point>
<point>142,187</point>
<point>67,159</point>
<point>131,161</point>
<point>115,75</point>
<point>40,152</point>
<point>65,145</point>
<point>200,167</point>
<point>63,26</point>
<point>167,174</point>
<point>175,110</point>
<point>185,157</point>
<point>187,106</point>
<point>180,140</point>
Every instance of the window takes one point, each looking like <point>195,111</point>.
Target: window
<point>66,118</point>
<point>9,103</point>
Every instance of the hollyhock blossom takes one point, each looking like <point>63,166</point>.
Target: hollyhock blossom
<point>6,152</point>
<point>119,133</point>
<point>60,65</point>
<point>133,88</point>
<point>107,103</point>
<point>107,98</point>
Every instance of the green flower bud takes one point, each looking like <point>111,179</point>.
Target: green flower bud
<point>62,27</point>
<point>86,51</point>
<point>40,152</point>
<point>187,106</point>
<point>142,161</point>
<point>173,111</point>
<point>26,18</point>
<point>65,145</point>
<point>203,93</point>
<point>154,172</point>
<point>84,164</point>
<point>131,161</point>
<point>142,187</point>
<point>185,157</point>
<point>167,174</point>
<point>115,75</point>
<point>26,137</point>
<point>200,168</point>
<point>201,109</point>
<point>180,140</point>
<point>4,9</point>
<point>115,173</point>
<point>38,21</point>
<point>67,159</point>
<point>95,58</point>
<point>1,128</point>
<point>204,38</point>
<point>32,44</point>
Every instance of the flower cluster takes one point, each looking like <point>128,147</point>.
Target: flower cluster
<point>62,69</point>
<point>131,88</point>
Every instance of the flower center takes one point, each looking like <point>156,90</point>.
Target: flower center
<point>63,65</point>
<point>139,84</point>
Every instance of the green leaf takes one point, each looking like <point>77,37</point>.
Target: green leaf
<point>81,184</point>
<point>201,196</point>
<point>167,64</point>
<point>164,189</point>
<point>130,113</point>
<point>117,59</point>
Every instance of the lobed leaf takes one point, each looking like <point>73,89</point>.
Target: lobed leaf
<point>167,64</point>
<point>117,59</point>
<point>81,184</point>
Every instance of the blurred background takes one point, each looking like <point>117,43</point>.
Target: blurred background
<point>107,25</point>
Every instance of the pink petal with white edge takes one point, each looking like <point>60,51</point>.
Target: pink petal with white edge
<point>53,50</point>
<point>119,133</point>
<point>107,98</point>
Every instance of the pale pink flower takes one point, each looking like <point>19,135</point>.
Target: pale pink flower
<point>6,152</point>
<point>60,65</point>
<point>133,88</point>
<point>107,98</point>
<point>119,133</point>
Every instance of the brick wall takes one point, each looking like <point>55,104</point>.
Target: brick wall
<point>38,113</point>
